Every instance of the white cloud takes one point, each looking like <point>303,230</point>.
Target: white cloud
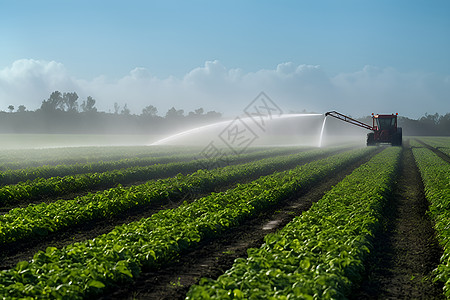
<point>215,87</point>
<point>388,90</point>
<point>140,73</point>
<point>28,82</point>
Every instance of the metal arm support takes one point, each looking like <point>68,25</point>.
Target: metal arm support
<point>347,119</point>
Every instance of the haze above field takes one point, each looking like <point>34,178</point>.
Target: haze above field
<point>356,57</point>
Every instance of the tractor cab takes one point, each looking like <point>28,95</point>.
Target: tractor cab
<point>385,130</point>
<point>385,122</point>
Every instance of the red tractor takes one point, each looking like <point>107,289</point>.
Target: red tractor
<point>384,128</point>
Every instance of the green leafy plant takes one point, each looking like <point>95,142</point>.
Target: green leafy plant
<point>435,174</point>
<point>320,254</point>
<point>39,219</point>
<point>439,143</point>
<point>120,172</point>
<point>83,269</point>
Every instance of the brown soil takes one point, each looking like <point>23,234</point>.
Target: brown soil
<point>406,250</point>
<point>213,257</point>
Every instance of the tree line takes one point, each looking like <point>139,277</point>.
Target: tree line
<point>429,124</point>
<point>64,113</point>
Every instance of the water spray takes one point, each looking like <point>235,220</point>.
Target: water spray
<point>321,131</point>
<point>223,124</point>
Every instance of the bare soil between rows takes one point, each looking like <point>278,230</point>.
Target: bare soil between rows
<point>406,250</point>
<point>213,257</point>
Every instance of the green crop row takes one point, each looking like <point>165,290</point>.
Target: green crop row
<point>38,219</point>
<point>47,171</point>
<point>59,186</point>
<point>319,254</point>
<point>435,174</point>
<point>439,143</point>
<point>31,158</point>
<point>436,141</point>
<point>84,269</point>
<point>26,158</point>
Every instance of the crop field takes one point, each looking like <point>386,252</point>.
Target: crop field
<point>159,222</point>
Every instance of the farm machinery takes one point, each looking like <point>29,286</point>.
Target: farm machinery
<point>384,128</point>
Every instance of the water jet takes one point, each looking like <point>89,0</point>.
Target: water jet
<point>286,129</point>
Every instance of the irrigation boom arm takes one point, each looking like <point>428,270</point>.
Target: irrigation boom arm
<point>347,119</point>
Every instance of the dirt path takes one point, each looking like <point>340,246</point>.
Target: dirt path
<point>212,258</point>
<point>406,250</point>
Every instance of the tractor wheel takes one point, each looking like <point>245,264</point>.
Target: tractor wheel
<point>397,138</point>
<point>370,139</point>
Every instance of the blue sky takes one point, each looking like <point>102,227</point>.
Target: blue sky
<point>356,56</point>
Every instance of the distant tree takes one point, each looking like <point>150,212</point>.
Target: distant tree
<point>69,101</point>
<point>444,124</point>
<point>116,108</point>
<point>54,102</point>
<point>21,108</point>
<point>430,119</point>
<point>213,115</point>
<point>174,113</point>
<point>89,105</point>
<point>63,102</point>
<point>125,110</point>
<point>149,110</point>
<point>197,112</point>
<point>11,108</point>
